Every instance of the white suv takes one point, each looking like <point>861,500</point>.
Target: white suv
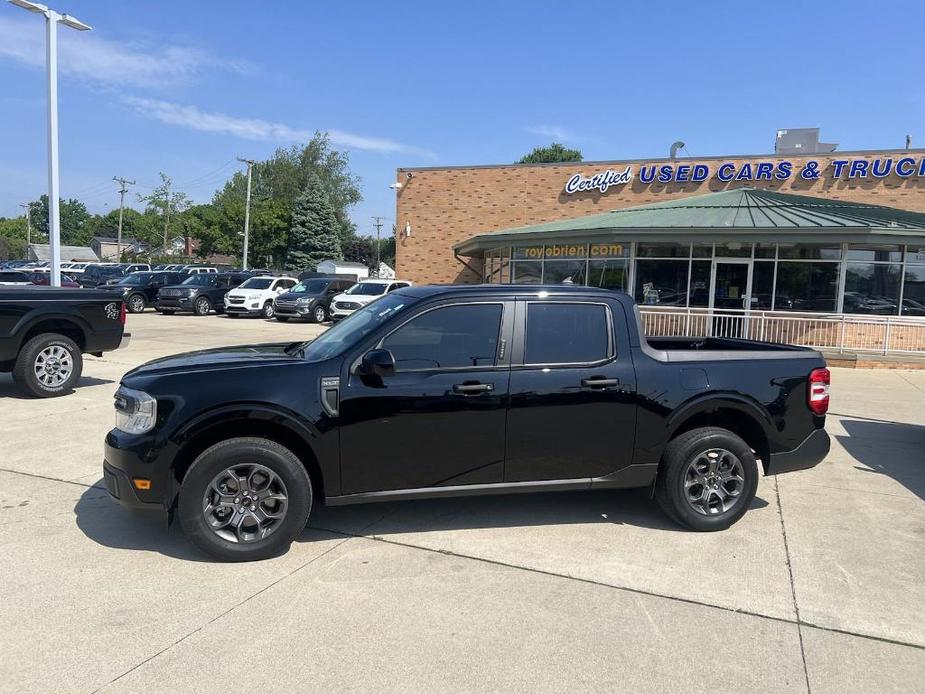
<point>255,296</point>
<point>359,295</point>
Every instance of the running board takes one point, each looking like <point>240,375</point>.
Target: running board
<point>628,477</point>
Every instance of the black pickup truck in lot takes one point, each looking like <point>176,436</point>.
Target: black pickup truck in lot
<point>44,331</point>
<point>457,390</point>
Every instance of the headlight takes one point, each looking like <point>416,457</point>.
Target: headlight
<point>305,301</point>
<point>136,412</point>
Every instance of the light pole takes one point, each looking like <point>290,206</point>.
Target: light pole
<point>52,19</point>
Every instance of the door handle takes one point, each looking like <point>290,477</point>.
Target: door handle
<point>473,388</point>
<point>599,382</point>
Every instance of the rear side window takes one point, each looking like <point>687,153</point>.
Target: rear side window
<point>561,333</point>
<point>450,337</point>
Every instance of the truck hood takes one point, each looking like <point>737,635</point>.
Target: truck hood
<point>220,358</point>
<point>294,296</point>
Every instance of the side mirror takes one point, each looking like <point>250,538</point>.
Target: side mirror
<point>378,362</point>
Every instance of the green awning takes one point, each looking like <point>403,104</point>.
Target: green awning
<point>759,215</point>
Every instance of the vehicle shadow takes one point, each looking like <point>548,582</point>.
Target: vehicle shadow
<point>105,522</point>
<point>633,507</point>
<point>887,448</point>
<point>8,389</point>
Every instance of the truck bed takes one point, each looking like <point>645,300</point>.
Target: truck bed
<point>721,349</point>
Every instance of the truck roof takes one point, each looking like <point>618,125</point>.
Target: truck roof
<point>519,290</point>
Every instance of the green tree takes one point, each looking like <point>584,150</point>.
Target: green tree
<point>12,248</point>
<point>550,155</point>
<point>314,235</point>
<point>167,204</point>
<point>76,229</point>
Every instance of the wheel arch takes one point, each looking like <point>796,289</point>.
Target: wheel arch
<point>741,416</point>
<point>73,327</point>
<point>256,420</point>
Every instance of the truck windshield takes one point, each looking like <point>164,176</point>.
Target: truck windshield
<point>345,334</point>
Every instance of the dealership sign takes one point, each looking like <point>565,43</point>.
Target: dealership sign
<point>725,172</point>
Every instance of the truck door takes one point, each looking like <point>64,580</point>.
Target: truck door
<point>439,420</point>
<point>572,413</point>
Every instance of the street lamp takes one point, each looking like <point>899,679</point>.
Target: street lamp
<point>52,19</point>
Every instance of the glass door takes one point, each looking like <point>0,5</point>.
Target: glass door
<point>730,297</point>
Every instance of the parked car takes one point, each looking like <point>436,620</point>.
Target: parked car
<point>42,278</point>
<point>44,331</point>
<point>558,387</point>
<point>12,278</point>
<point>359,295</point>
<point>198,270</point>
<point>310,299</point>
<point>134,267</point>
<point>139,289</point>
<point>255,296</point>
<point>199,293</point>
<point>96,275</point>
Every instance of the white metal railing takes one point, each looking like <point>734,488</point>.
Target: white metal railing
<point>834,331</point>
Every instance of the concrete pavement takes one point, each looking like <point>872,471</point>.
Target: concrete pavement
<point>821,587</point>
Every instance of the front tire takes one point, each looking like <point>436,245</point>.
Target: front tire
<point>707,479</point>
<point>245,499</point>
<point>135,303</point>
<point>319,314</point>
<point>48,365</point>
<point>202,306</point>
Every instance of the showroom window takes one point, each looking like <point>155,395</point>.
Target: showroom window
<point>451,337</point>
<point>566,333</point>
<point>873,276</point>
<point>913,301</point>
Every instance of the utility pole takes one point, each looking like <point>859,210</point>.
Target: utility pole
<point>28,208</point>
<point>378,226</point>
<point>166,212</point>
<point>247,209</point>
<point>122,191</point>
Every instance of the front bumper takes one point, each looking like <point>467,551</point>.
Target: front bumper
<point>810,453</point>
<point>243,310</point>
<point>175,303</point>
<point>123,462</point>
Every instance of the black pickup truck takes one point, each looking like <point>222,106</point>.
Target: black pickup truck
<point>44,331</point>
<point>458,390</point>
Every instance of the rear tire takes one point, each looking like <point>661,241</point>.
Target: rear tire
<point>707,479</point>
<point>216,531</point>
<point>268,310</point>
<point>48,365</point>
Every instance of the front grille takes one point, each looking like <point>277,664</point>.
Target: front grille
<point>235,299</point>
<point>112,484</point>
<point>170,292</point>
<point>286,305</point>
<point>347,305</point>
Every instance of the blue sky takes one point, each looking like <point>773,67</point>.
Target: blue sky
<point>184,87</point>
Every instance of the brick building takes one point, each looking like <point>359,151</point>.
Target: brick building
<point>835,233</point>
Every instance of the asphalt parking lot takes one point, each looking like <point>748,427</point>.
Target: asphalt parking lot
<point>821,587</point>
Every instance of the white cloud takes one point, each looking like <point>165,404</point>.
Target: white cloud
<point>256,129</point>
<point>88,56</point>
<point>554,132</point>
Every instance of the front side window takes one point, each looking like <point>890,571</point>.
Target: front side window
<point>562,333</point>
<point>450,337</point>
<point>199,281</point>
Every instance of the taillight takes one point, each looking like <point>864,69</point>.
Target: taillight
<point>122,314</point>
<point>817,396</point>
